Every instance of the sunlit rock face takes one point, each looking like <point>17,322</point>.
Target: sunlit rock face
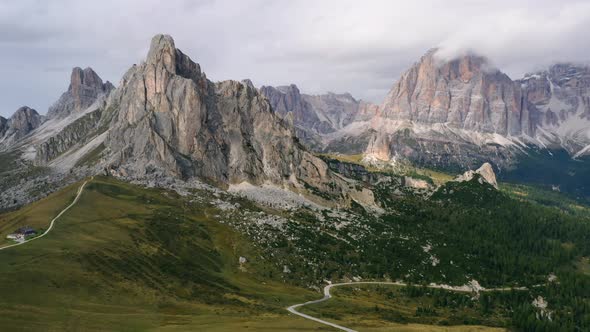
<point>486,172</point>
<point>170,118</point>
<point>465,93</point>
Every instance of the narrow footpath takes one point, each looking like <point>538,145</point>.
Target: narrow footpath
<point>53,220</point>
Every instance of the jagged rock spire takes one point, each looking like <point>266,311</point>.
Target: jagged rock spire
<point>486,172</point>
<point>162,51</point>
<point>84,89</point>
<point>171,119</point>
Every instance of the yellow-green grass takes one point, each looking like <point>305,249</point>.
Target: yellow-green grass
<point>583,265</point>
<point>546,197</point>
<point>100,268</point>
<point>349,158</point>
<point>352,159</point>
<point>37,215</point>
<point>386,308</point>
<point>438,177</point>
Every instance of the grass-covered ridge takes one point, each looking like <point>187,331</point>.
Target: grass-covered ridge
<point>126,258</point>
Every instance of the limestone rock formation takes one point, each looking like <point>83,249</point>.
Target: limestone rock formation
<point>288,103</point>
<point>23,121</point>
<point>20,124</point>
<point>486,173</point>
<point>314,116</point>
<point>338,110</point>
<point>85,88</point>
<point>76,133</point>
<point>457,113</point>
<point>561,96</point>
<point>465,93</point>
<point>170,118</point>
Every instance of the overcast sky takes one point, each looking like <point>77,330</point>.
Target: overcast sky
<point>359,47</point>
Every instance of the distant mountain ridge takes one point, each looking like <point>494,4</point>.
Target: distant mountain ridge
<point>462,112</point>
<point>314,116</point>
<point>166,118</point>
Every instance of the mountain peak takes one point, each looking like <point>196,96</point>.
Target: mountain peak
<point>24,110</point>
<point>22,122</point>
<point>84,77</point>
<point>162,51</point>
<point>458,90</point>
<point>248,82</point>
<point>84,89</point>
<point>170,119</point>
<point>291,88</point>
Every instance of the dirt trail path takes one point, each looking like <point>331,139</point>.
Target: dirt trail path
<point>53,220</point>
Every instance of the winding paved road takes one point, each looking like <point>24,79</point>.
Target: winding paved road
<point>293,309</point>
<point>54,219</point>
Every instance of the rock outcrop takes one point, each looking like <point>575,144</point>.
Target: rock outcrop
<point>458,113</point>
<point>465,93</point>
<point>20,124</point>
<point>288,103</point>
<point>171,119</point>
<point>85,88</point>
<point>314,116</point>
<point>338,110</point>
<point>561,96</point>
<point>76,133</point>
<point>485,173</point>
<point>23,121</point>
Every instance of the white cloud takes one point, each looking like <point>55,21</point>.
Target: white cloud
<point>329,45</point>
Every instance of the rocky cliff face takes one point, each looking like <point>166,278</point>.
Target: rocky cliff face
<point>464,93</point>
<point>23,121</point>
<point>462,112</point>
<point>451,114</point>
<point>448,113</point>
<point>561,96</point>
<point>76,133</point>
<point>85,88</point>
<point>166,119</point>
<point>314,116</point>
<point>288,103</point>
<point>485,172</point>
<point>20,124</point>
<point>320,114</point>
<point>338,110</point>
<point>171,119</point>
